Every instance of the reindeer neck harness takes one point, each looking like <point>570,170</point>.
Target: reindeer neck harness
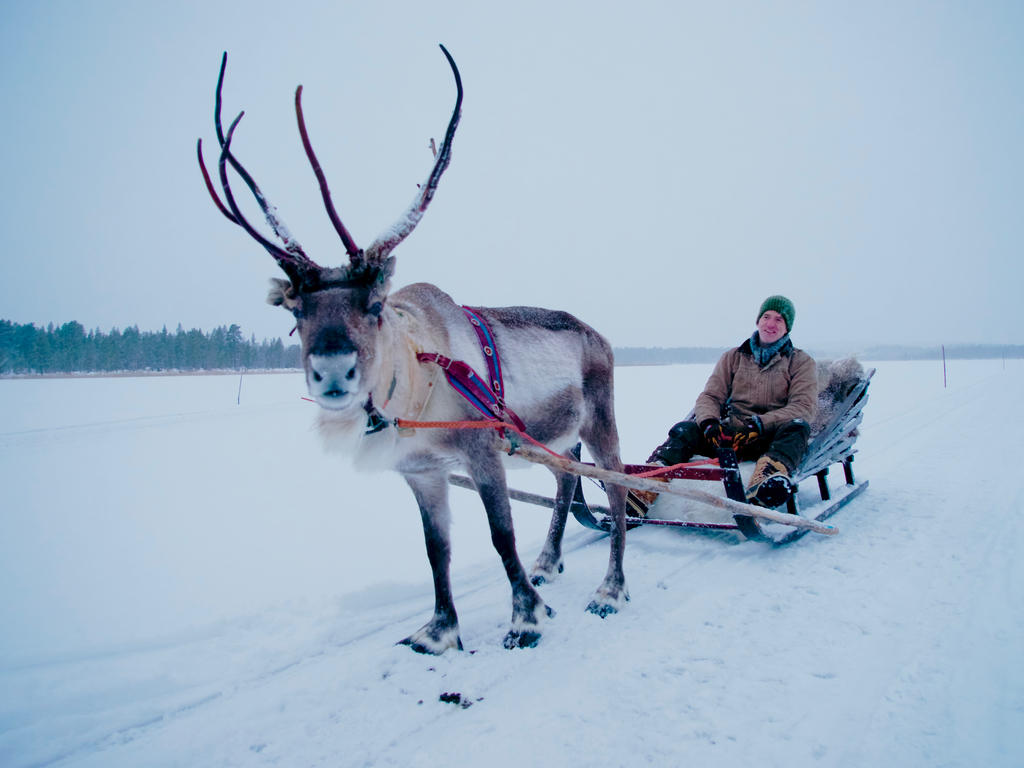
<point>375,422</point>
<point>489,400</point>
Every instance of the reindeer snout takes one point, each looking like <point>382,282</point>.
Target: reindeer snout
<point>333,380</point>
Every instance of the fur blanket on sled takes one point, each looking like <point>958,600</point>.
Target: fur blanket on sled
<point>836,378</point>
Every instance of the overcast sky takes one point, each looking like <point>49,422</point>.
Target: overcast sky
<point>656,168</point>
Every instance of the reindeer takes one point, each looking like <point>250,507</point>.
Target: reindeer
<point>360,344</point>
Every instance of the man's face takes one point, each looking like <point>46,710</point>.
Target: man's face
<point>771,327</point>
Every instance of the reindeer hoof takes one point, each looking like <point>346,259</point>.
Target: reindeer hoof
<point>434,643</point>
<point>605,604</point>
<point>543,574</point>
<point>522,639</point>
<point>601,609</point>
<point>526,634</point>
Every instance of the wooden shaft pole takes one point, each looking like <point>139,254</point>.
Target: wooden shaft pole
<point>461,481</point>
<point>529,453</point>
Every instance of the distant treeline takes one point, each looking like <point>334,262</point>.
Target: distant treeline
<point>69,348</point>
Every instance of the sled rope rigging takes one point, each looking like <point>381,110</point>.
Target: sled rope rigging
<point>479,424</point>
<point>646,481</point>
<point>563,464</point>
<point>489,424</point>
<point>665,470</point>
<point>556,461</point>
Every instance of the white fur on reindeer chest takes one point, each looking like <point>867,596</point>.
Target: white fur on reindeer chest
<point>402,388</point>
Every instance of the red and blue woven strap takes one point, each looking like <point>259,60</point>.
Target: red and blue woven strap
<point>488,400</point>
<point>489,348</point>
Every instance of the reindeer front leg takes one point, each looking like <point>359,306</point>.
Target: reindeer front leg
<point>442,631</point>
<point>528,609</point>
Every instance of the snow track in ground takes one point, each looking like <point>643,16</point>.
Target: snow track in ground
<point>191,582</point>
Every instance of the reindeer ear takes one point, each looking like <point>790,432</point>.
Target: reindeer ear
<point>282,294</point>
<point>381,286</point>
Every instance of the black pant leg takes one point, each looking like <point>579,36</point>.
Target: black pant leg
<point>788,444</point>
<point>684,440</point>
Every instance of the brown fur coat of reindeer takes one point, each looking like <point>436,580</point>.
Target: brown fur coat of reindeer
<point>359,351</point>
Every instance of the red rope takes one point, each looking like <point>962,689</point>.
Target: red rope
<point>665,470</point>
<point>406,424</point>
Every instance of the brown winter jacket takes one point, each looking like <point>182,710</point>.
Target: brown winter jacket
<point>785,389</point>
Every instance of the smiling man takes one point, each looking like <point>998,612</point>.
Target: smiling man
<point>759,400</point>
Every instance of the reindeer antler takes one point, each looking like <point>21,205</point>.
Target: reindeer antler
<point>353,251</point>
<point>378,252</point>
<point>292,258</point>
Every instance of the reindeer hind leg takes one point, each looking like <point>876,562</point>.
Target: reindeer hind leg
<point>528,609</point>
<point>601,437</point>
<point>549,561</point>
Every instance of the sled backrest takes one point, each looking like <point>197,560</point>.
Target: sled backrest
<point>832,441</point>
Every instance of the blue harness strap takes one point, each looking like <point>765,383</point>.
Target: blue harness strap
<point>489,400</point>
<point>489,348</point>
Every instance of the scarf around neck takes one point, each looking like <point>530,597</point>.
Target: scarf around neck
<point>763,353</point>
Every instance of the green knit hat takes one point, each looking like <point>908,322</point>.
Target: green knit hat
<point>783,306</point>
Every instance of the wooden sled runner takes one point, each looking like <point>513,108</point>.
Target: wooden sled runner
<point>832,443</point>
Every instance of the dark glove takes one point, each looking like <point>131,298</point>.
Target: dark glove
<point>747,431</point>
<point>714,433</point>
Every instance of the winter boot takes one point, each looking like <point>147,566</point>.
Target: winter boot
<point>770,485</point>
<point>638,502</point>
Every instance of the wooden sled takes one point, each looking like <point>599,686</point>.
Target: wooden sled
<point>831,444</point>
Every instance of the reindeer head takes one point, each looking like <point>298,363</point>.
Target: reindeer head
<point>338,310</point>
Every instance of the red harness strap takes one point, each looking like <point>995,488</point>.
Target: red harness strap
<point>465,381</point>
<point>488,400</point>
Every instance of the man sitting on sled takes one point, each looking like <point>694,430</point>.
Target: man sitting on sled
<point>759,401</point>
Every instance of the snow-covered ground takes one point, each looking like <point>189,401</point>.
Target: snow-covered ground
<point>189,581</point>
